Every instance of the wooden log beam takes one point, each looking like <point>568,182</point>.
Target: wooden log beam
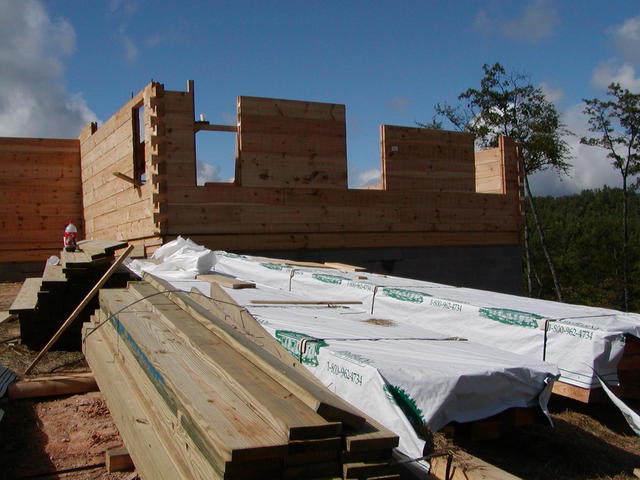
<point>52,386</point>
<point>214,128</point>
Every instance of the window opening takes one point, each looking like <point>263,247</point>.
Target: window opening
<point>215,154</point>
<point>139,145</point>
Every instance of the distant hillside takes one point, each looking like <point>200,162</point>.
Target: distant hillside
<point>584,235</point>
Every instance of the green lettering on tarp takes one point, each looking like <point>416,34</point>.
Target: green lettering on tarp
<point>407,405</point>
<point>572,331</point>
<point>445,304</point>
<point>353,357</point>
<point>511,317</point>
<point>291,342</point>
<point>232,255</point>
<point>405,295</point>
<point>272,266</point>
<point>344,372</point>
<point>332,279</point>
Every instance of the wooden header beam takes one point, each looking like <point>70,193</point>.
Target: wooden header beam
<point>214,128</point>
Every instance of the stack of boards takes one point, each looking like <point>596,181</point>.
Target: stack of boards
<point>43,304</point>
<point>195,396</point>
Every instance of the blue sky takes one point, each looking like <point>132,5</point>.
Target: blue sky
<point>64,63</point>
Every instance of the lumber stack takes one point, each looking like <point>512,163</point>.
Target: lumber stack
<point>195,397</point>
<point>44,303</point>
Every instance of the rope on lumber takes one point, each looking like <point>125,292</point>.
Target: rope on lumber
<point>144,298</point>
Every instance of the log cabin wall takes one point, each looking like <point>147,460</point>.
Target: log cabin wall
<point>441,212</point>
<point>432,217</point>
<point>40,191</point>
<point>119,171</point>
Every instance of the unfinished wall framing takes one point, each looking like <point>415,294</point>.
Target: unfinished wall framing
<point>290,189</point>
<point>290,192</point>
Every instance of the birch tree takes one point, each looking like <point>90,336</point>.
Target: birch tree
<point>616,123</point>
<point>506,104</point>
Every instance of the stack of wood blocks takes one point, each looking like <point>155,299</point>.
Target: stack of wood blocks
<point>194,396</point>
<point>44,303</point>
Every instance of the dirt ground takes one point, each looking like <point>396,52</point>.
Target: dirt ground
<point>52,438</point>
<point>70,435</point>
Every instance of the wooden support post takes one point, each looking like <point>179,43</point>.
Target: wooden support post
<point>79,308</point>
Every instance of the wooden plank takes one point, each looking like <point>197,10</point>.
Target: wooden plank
<point>177,371</point>
<point>108,246</point>
<point>146,443</point>
<point>345,266</point>
<point>214,128</point>
<point>281,241</point>
<point>79,308</point>
<point>229,194</point>
<point>53,386</point>
<point>268,397</point>
<point>75,259</point>
<point>225,280</point>
<point>367,470</point>
<point>16,144</point>
<point>312,394</point>
<point>289,108</point>
<point>293,126</point>
<point>34,253</point>
<point>53,274</point>
<point>237,317</point>
<point>467,468</point>
<point>305,302</point>
<point>27,297</point>
<point>371,437</point>
<point>577,393</point>
<point>6,316</point>
<point>118,460</point>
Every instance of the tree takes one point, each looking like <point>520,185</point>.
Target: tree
<point>617,124</point>
<point>506,104</point>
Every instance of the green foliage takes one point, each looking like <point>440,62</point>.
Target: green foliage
<point>506,104</point>
<point>583,235</point>
<point>617,125</point>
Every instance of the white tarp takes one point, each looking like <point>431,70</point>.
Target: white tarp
<point>579,339</point>
<point>401,374</point>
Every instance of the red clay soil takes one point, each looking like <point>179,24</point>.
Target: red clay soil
<point>52,438</point>
<point>70,435</point>
<point>66,435</point>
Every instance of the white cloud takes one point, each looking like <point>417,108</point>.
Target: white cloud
<point>537,22</point>
<point>130,49</point>
<point>591,167</point>
<point>554,95</point>
<point>368,178</point>
<point>33,99</point>
<point>125,11</point>
<point>483,24</point>
<point>398,104</point>
<point>626,38</point>
<point>624,74</point>
<point>207,173</point>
